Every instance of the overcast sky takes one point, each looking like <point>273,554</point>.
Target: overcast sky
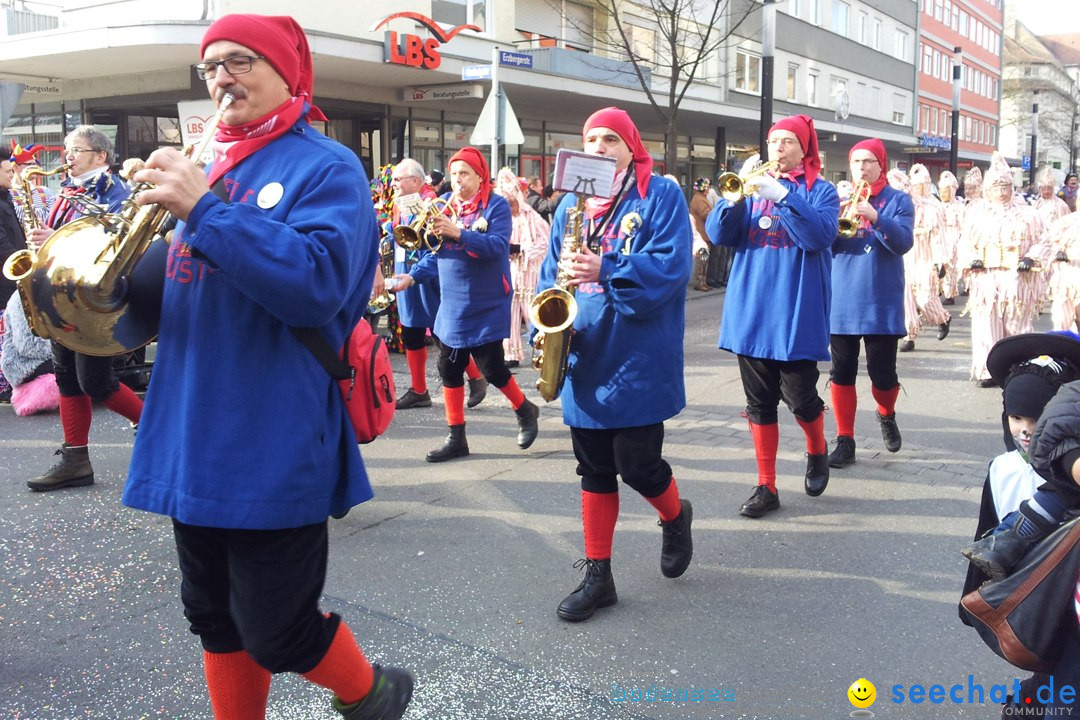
<point>1049,17</point>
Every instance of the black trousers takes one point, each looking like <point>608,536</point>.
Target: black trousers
<point>257,590</point>
<point>78,374</point>
<point>880,359</point>
<point>766,382</point>
<point>489,359</point>
<point>634,453</point>
<point>413,338</point>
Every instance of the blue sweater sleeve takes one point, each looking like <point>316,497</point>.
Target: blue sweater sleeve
<point>426,268</point>
<point>811,218</point>
<point>728,223</point>
<point>894,229</point>
<point>658,264</point>
<point>305,268</point>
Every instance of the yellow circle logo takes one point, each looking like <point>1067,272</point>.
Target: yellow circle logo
<point>862,693</point>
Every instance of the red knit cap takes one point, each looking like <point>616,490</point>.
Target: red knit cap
<point>875,146</point>
<point>803,127</point>
<point>279,39</point>
<point>476,160</point>
<point>618,120</point>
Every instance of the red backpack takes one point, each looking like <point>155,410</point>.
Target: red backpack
<point>364,374</point>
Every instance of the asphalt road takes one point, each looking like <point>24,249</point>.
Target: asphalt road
<point>454,570</point>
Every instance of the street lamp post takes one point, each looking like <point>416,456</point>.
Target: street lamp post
<point>768,50</point>
<point>954,141</point>
<point>1034,135</point>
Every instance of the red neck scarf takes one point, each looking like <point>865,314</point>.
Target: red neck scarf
<point>596,206</point>
<point>233,143</point>
<point>878,149</point>
<point>466,208</point>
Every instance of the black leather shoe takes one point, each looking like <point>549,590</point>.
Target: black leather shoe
<point>906,346</point>
<point>943,329</point>
<point>456,446</point>
<point>477,392</point>
<point>413,399</point>
<point>527,415</point>
<point>948,301</point>
<point>387,700</point>
<point>761,502</point>
<point>597,590</point>
<point>890,433</point>
<point>986,383</point>
<point>817,474</point>
<point>844,452</point>
<point>678,546</point>
<point>511,364</point>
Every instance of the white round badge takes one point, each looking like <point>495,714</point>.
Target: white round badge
<point>270,195</point>
<point>764,222</point>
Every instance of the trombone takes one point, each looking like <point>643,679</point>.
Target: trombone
<point>418,233</point>
<point>849,217</point>
<point>732,187</point>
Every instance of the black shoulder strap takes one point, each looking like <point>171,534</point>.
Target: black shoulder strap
<point>310,337</point>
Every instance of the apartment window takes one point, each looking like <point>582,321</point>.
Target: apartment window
<point>864,21</point>
<point>875,102</point>
<point>924,118</point>
<point>460,12</point>
<point>811,89</point>
<point>963,30</point>
<point>815,12</point>
<point>792,78</point>
<point>946,127</point>
<point>747,72</point>
<point>859,105</point>
<point>901,45</point>
<point>939,10</point>
<point>955,23</point>
<point>927,59</point>
<point>993,136</point>
<point>937,64</point>
<point>642,43</point>
<point>795,8</point>
<point>899,112</point>
<point>933,121</point>
<point>840,14</point>
<point>876,39</point>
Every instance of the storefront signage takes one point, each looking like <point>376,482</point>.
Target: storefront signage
<point>933,141</point>
<point>515,59</point>
<point>919,150</point>
<point>40,88</point>
<point>456,91</point>
<point>413,50</point>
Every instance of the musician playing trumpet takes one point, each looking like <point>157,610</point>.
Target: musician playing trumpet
<point>868,273</point>
<point>776,313</point>
<point>473,269</point>
<point>625,375</point>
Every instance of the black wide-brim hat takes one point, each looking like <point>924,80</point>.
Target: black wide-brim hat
<point>1020,348</point>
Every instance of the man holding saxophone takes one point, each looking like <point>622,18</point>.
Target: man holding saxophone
<point>868,273</point>
<point>776,312</point>
<point>625,367</point>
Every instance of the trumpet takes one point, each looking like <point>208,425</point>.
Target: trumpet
<point>419,233</point>
<point>732,187</point>
<point>849,217</point>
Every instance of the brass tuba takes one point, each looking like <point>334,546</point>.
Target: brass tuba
<point>418,234</point>
<point>732,187</point>
<point>95,285</point>
<point>849,218</point>
<point>554,310</point>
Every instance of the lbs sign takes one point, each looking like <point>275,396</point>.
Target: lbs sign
<point>413,50</point>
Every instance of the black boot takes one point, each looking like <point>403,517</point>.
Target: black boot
<point>455,446</point>
<point>906,345</point>
<point>477,392</point>
<point>890,433</point>
<point>412,399</point>
<point>678,546</point>
<point>597,590</point>
<point>943,329</point>
<point>527,415</point>
<point>389,697</point>
<point>844,452</point>
<point>73,469</point>
<point>996,555</point>
<point>817,474</point>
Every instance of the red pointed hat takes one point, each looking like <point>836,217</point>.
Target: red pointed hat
<point>803,127</point>
<point>476,160</point>
<point>618,120</point>
<point>875,146</point>
<point>278,38</point>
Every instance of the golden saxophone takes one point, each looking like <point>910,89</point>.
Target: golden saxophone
<point>95,285</point>
<point>553,311</point>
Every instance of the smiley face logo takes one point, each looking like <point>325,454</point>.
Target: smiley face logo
<point>862,693</point>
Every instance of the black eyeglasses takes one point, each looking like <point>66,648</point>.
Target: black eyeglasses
<point>235,65</point>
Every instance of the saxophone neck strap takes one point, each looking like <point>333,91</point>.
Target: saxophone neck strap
<point>598,228</point>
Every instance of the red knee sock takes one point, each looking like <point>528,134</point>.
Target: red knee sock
<point>599,511</point>
<point>513,393</point>
<point>886,399</point>
<point>344,669</point>
<point>417,360</point>
<point>667,503</point>
<point>844,402</point>
<point>766,440</point>
<point>815,434</point>
<point>471,371</point>
<point>75,414</point>
<point>455,405</point>
<point>238,685</point>
<point>125,402</point>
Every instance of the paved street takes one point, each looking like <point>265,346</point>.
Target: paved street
<point>454,570</point>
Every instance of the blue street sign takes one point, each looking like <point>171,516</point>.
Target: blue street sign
<point>476,72</point>
<point>1025,164</point>
<point>514,59</point>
